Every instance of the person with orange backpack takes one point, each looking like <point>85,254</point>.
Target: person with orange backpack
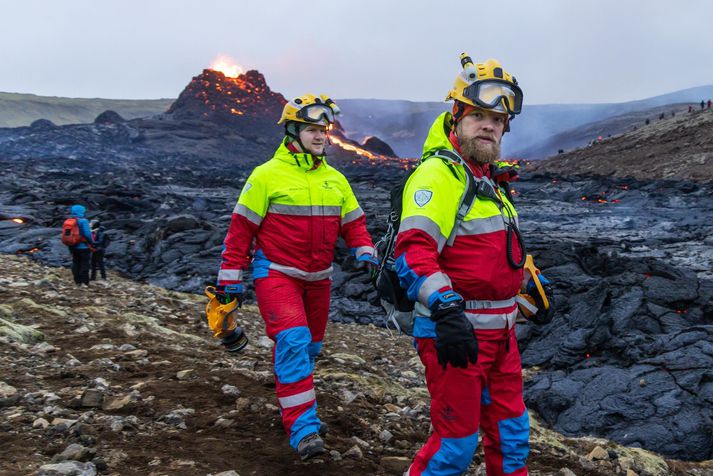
<point>77,235</point>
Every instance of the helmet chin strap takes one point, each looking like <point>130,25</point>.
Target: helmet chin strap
<point>292,130</point>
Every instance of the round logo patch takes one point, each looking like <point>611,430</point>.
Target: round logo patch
<point>422,197</point>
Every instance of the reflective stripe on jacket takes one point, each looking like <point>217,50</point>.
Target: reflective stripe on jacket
<point>296,209</point>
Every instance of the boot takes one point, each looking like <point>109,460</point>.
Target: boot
<point>311,445</point>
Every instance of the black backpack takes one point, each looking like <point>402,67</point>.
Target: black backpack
<point>398,307</point>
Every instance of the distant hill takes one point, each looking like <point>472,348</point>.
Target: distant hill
<point>22,109</point>
<point>404,124</point>
<point>583,135</point>
<point>679,147</point>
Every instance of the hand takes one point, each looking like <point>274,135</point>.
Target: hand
<point>367,260</point>
<point>226,293</point>
<point>542,316</point>
<point>455,340</point>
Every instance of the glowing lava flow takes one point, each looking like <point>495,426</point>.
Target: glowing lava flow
<point>227,66</point>
<point>358,150</point>
<point>404,163</point>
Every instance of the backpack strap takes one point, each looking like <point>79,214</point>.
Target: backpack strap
<point>469,193</point>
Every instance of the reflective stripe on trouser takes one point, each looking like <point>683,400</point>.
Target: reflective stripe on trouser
<point>295,314</point>
<point>486,395</point>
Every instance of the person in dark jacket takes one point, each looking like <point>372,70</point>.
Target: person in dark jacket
<point>81,251</point>
<point>101,242</point>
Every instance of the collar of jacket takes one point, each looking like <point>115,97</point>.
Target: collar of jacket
<point>303,161</point>
<point>439,138</point>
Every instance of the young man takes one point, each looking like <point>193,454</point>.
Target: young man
<point>465,280</point>
<point>295,206</point>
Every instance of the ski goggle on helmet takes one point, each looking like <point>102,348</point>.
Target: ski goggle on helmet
<point>316,113</point>
<point>488,86</point>
<point>495,94</point>
<point>310,109</point>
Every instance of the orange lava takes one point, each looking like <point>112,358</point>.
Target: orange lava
<point>358,150</point>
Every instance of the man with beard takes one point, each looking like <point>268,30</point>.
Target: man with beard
<point>463,268</point>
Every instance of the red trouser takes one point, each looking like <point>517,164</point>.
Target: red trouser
<point>487,394</point>
<point>295,314</point>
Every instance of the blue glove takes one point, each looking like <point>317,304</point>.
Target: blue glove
<point>543,316</point>
<point>228,292</point>
<point>368,258</point>
<point>532,288</point>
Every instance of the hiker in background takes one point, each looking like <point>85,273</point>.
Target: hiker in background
<point>77,235</point>
<point>289,216</point>
<point>709,104</point>
<point>101,240</point>
<point>703,104</point>
<point>690,108</point>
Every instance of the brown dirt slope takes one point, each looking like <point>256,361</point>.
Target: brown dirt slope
<point>103,368</point>
<point>679,147</point>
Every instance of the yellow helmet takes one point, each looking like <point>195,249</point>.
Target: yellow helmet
<point>310,109</point>
<point>486,85</point>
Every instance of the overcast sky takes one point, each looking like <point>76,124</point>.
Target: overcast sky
<point>561,51</point>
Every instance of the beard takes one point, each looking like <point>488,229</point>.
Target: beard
<point>479,153</point>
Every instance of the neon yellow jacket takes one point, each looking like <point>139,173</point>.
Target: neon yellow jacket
<point>295,208</point>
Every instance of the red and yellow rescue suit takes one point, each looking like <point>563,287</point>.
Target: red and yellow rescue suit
<point>294,207</point>
<point>488,394</point>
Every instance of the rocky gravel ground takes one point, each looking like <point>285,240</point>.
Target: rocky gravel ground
<point>124,378</point>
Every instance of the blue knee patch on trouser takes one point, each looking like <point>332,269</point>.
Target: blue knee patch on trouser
<point>453,457</point>
<point>304,425</point>
<point>485,397</point>
<point>514,441</point>
<point>292,359</point>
